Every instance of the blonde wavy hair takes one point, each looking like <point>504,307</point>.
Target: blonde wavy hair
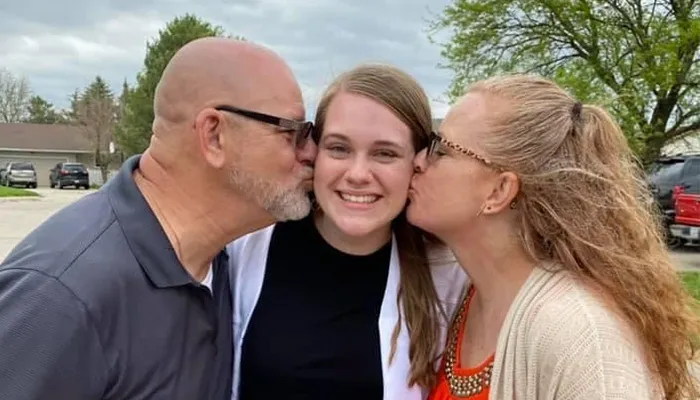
<point>583,204</point>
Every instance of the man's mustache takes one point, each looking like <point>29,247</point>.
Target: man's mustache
<point>307,173</point>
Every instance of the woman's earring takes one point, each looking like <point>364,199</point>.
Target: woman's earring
<point>482,209</point>
<point>512,205</point>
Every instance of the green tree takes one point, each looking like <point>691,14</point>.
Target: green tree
<point>41,111</point>
<point>122,102</point>
<point>134,131</point>
<point>123,99</point>
<point>70,114</point>
<point>96,113</point>
<point>637,58</point>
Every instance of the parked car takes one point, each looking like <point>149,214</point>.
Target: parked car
<point>18,174</point>
<point>69,174</point>
<point>687,221</point>
<point>667,178</point>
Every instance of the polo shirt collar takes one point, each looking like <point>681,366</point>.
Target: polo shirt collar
<point>144,234</point>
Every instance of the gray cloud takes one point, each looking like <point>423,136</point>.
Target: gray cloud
<point>62,48</point>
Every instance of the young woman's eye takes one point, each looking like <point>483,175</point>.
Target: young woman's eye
<point>386,154</point>
<point>337,149</point>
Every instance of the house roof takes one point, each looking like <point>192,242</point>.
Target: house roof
<point>43,138</point>
<point>56,137</point>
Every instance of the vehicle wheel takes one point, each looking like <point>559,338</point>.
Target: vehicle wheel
<point>675,243</point>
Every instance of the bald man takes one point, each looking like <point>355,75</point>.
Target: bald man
<point>124,294</point>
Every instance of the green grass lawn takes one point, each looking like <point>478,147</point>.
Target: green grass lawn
<point>14,192</point>
<point>692,283</point>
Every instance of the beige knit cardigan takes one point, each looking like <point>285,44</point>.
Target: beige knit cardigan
<point>560,342</point>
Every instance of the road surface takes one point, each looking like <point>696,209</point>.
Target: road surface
<point>19,217</point>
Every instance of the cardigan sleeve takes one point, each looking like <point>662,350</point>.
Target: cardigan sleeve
<point>584,351</point>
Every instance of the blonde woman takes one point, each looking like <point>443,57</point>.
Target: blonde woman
<point>572,294</point>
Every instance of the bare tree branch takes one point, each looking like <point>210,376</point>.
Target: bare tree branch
<point>682,117</point>
<point>14,97</point>
<point>681,131</point>
<point>97,116</point>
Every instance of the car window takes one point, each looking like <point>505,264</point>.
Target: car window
<point>23,167</point>
<point>666,171</point>
<point>693,185</point>
<point>692,170</point>
<point>74,167</point>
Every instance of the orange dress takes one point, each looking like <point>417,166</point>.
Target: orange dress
<point>472,383</point>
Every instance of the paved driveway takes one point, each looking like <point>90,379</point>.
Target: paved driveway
<point>688,258</point>
<point>18,217</point>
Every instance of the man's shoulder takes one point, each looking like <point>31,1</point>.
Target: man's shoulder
<point>82,236</point>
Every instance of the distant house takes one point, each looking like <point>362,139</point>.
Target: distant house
<point>45,146</point>
<point>688,144</point>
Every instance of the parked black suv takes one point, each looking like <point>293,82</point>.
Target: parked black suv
<point>69,174</point>
<point>669,175</point>
<point>18,174</point>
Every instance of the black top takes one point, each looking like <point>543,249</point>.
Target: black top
<point>314,333</point>
<point>94,304</point>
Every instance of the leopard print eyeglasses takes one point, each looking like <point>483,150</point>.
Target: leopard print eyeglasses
<point>436,149</point>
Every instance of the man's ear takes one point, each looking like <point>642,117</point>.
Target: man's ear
<point>503,194</point>
<point>209,126</point>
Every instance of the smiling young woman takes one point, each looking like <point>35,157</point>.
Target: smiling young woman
<point>347,303</point>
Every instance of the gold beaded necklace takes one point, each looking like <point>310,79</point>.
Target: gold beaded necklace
<point>463,386</point>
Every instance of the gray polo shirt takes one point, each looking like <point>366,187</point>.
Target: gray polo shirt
<point>94,304</point>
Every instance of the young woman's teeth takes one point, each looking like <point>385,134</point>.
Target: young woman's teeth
<point>359,199</point>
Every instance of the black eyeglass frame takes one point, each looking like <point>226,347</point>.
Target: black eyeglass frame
<point>303,130</point>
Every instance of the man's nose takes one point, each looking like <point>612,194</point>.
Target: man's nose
<point>420,161</point>
<point>306,154</point>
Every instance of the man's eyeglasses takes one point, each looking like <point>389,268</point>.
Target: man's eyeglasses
<point>437,141</point>
<point>302,130</point>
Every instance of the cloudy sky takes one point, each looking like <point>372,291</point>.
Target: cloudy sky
<point>60,45</point>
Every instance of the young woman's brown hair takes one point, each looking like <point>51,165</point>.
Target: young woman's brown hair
<point>421,309</point>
